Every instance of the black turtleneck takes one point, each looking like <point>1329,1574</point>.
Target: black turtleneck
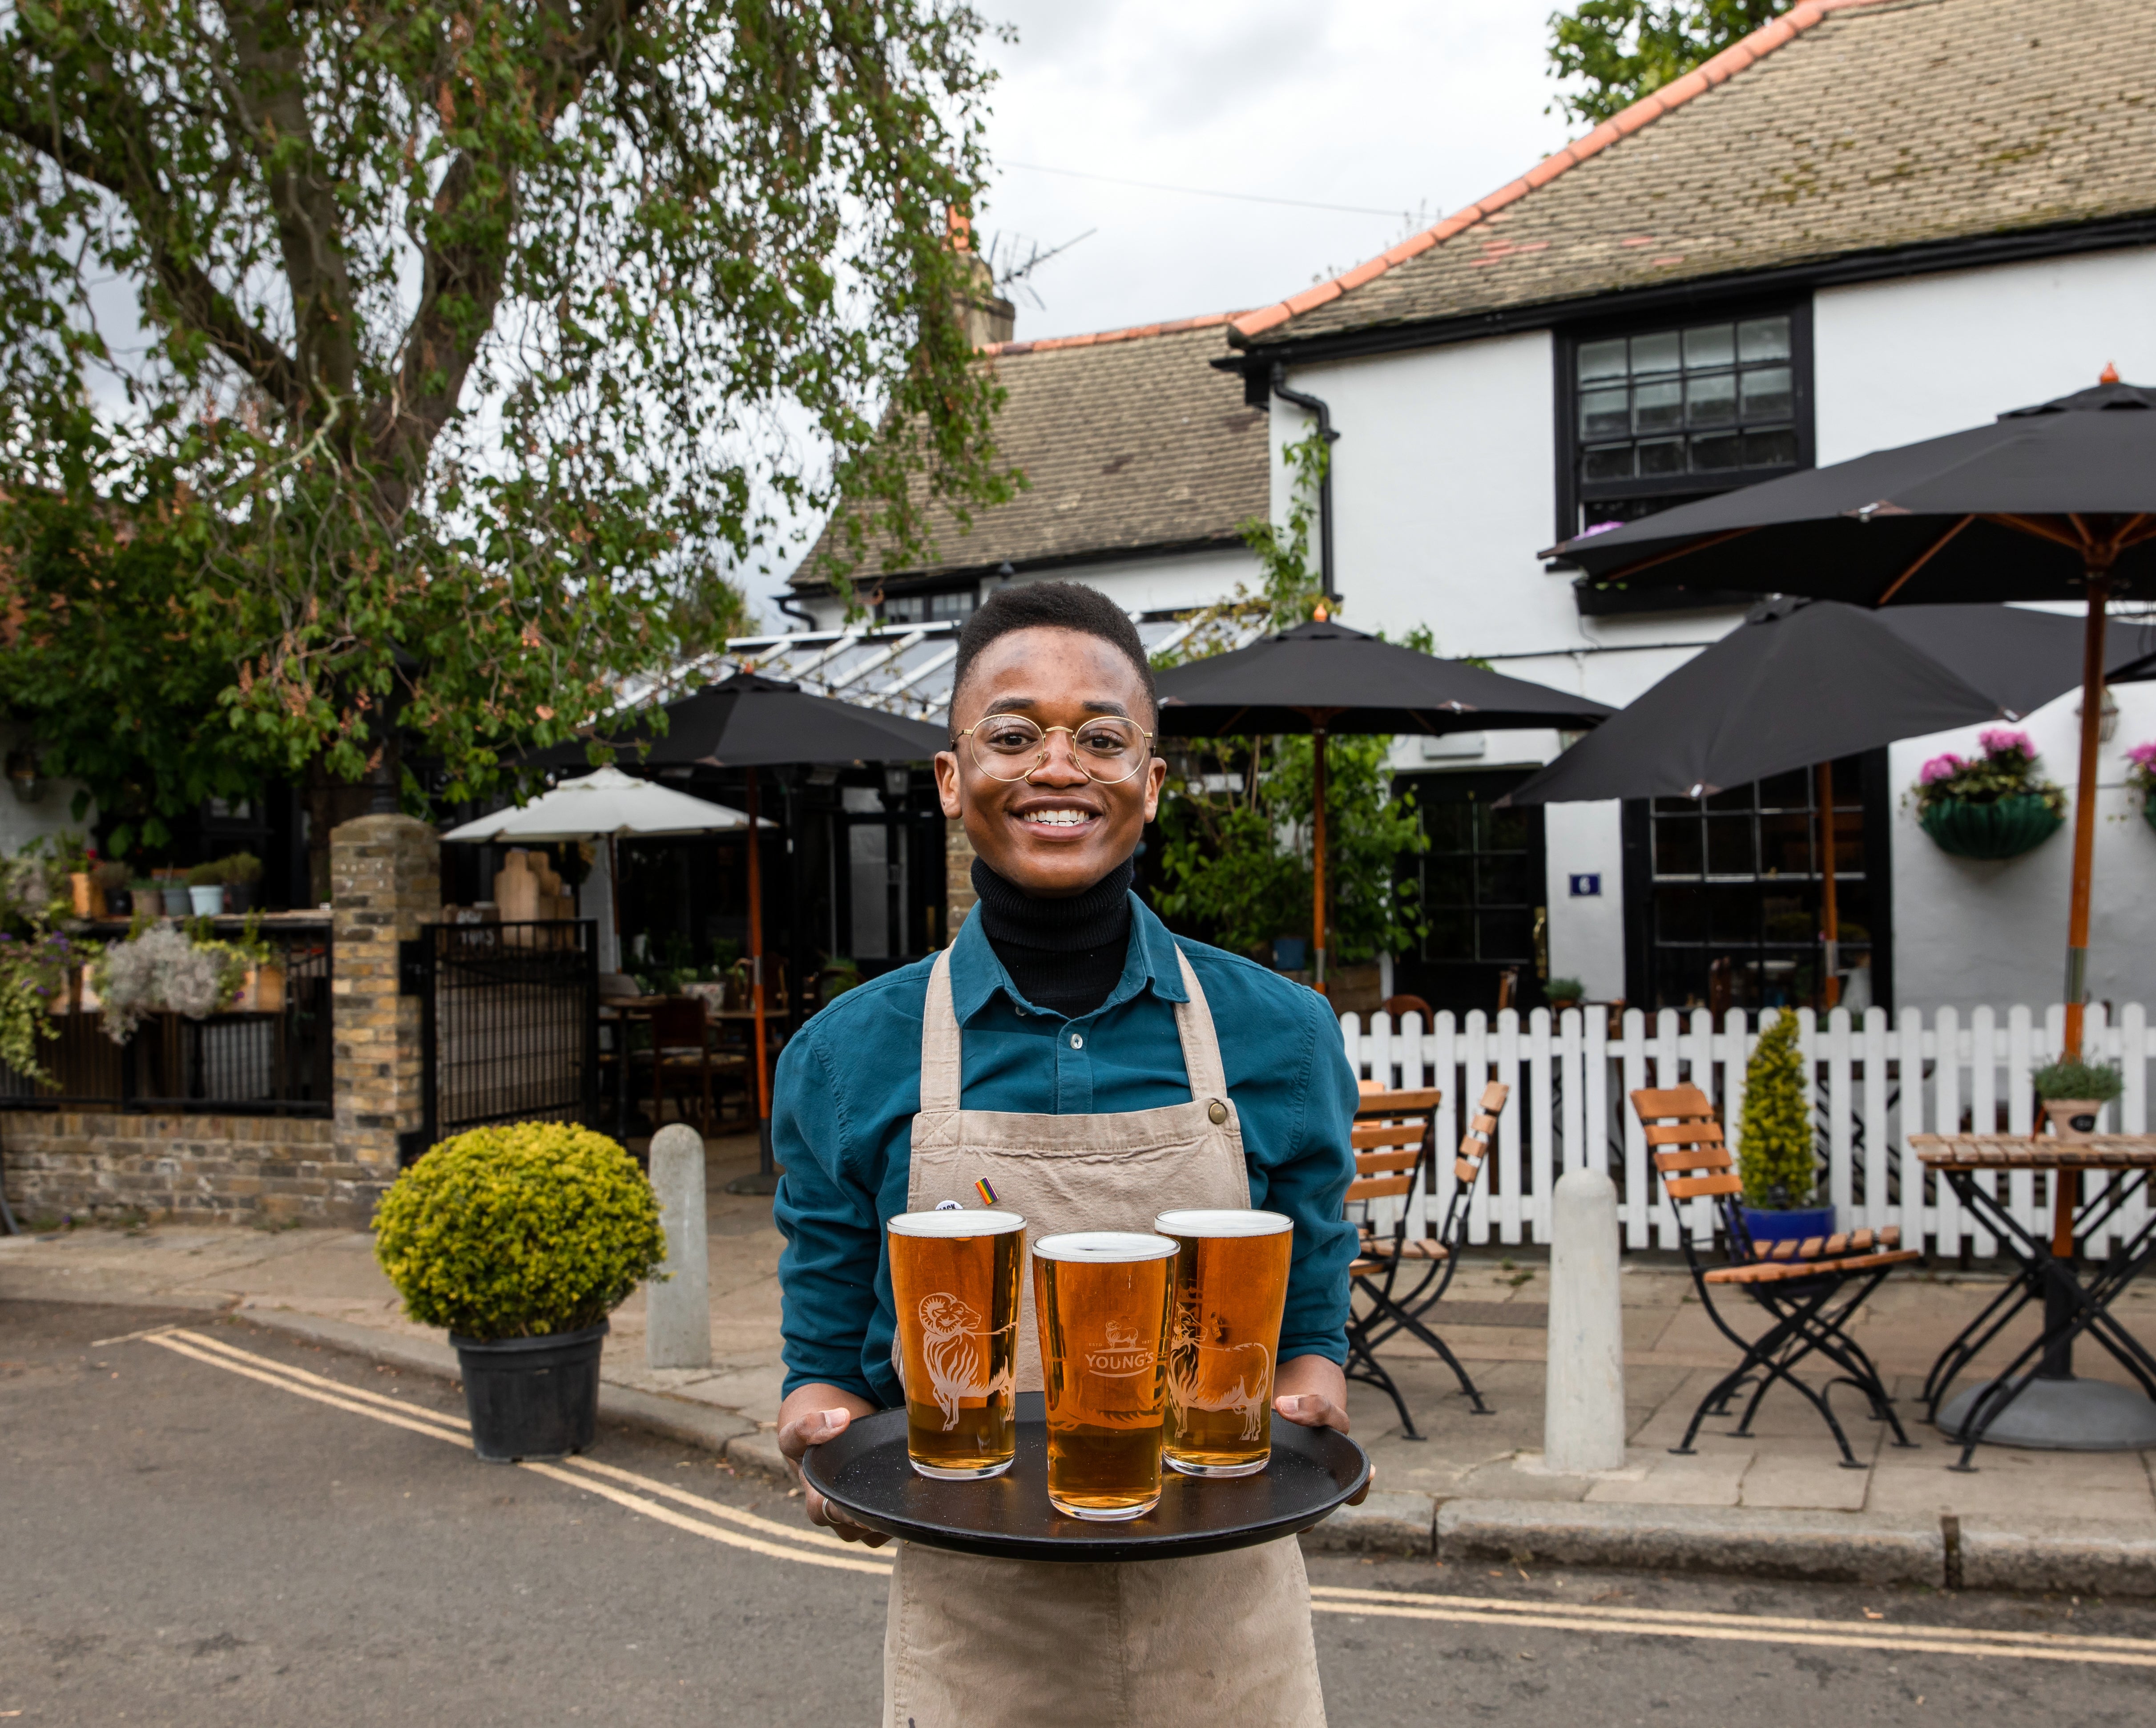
<point>1064,956</point>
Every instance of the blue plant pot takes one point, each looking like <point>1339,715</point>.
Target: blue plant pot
<point>1792,1225</point>
<point>1289,953</point>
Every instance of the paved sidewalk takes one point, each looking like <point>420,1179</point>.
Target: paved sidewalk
<point>1494,1319</point>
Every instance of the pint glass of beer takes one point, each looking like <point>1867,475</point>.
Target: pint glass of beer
<point>1099,1298</point>
<point>1223,1334</point>
<point>954,1279</point>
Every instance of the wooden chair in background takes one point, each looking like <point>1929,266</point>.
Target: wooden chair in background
<point>1396,1278</point>
<point>1801,1284</point>
<point>682,1061</point>
<point>1398,1005</point>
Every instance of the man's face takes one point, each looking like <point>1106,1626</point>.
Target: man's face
<point>1057,832</point>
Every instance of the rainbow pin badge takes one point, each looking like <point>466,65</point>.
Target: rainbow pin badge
<point>987,1192</point>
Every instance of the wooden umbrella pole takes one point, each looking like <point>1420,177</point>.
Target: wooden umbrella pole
<point>1830,912</point>
<point>1317,911</point>
<point>2065,1185</point>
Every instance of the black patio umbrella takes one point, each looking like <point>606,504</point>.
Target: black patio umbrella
<point>750,722</point>
<point>1321,677</point>
<point>1804,681</point>
<point>2053,502</point>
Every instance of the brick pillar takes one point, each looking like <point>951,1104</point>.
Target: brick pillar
<point>958,895</point>
<point>385,881</point>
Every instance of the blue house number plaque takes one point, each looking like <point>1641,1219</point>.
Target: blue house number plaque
<point>1587,887</point>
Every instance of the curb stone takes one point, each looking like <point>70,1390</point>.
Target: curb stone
<point>757,1453</point>
<point>2092,1559</point>
<point>1388,1522</point>
<point>670,1418</point>
<point>1829,1546</point>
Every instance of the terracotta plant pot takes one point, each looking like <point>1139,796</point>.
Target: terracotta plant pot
<point>2072,1119</point>
<point>89,898</point>
<point>265,990</point>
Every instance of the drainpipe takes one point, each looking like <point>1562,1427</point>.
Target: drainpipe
<point>786,604</point>
<point>1312,404</point>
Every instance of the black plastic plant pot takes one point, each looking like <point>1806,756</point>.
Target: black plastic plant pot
<point>532,1397</point>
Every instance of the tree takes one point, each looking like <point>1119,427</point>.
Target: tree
<point>1620,50</point>
<point>1776,1153</point>
<point>481,339</point>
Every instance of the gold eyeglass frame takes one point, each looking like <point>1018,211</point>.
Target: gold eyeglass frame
<point>1041,760</point>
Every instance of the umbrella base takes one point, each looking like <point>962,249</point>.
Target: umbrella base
<point>2062,1415</point>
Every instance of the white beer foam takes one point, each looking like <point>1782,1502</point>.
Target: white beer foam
<point>1245,1222</point>
<point>1103,1247</point>
<point>956,1223</point>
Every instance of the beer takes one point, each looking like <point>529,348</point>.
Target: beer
<point>1101,1301</point>
<point>1231,1286</point>
<point>954,1279</point>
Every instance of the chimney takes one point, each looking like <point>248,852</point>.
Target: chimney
<point>989,317</point>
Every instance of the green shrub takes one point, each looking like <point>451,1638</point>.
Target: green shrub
<point>519,1231</point>
<point>1775,1143</point>
<point>237,869</point>
<point>2074,1079</point>
<point>1564,989</point>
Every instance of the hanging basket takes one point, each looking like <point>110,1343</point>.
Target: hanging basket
<point>2003,829</point>
<point>2149,808</point>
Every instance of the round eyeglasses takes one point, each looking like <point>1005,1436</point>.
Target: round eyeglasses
<point>1009,746</point>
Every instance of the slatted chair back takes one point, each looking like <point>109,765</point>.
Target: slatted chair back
<point>1391,1134</point>
<point>1690,1154</point>
<point>677,1025</point>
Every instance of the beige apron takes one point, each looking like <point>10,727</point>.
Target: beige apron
<point>974,1643</point>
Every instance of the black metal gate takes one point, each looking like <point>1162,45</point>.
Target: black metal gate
<point>509,1024</point>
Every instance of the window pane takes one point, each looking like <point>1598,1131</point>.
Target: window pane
<point>1681,914</point>
<point>1785,843</point>
<point>1447,826</point>
<point>1708,345</point>
<point>1450,881</point>
<point>1501,881</point>
<point>1605,413</point>
<point>1506,936</point>
<point>1763,339</point>
<point>1770,449</point>
<point>1787,791</point>
<point>1711,400</point>
<point>1662,456</point>
<point>1719,449</point>
<point>1612,464</point>
<point>1732,909</point>
<point>1729,847</point>
<point>1503,831</point>
<point>1767,393</point>
<point>1730,798</point>
<point>1655,353</point>
<point>1451,935</point>
<point>1788,922</point>
<point>1677,846</point>
<point>1601,360</point>
<point>1657,408</point>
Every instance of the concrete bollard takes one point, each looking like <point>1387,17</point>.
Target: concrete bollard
<point>677,1332</point>
<point>1583,1419</point>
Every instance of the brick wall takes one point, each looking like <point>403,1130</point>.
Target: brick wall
<point>202,1169</point>
<point>958,895</point>
<point>385,880</point>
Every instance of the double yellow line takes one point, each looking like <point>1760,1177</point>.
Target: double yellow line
<point>717,1522</point>
<point>712,1520</point>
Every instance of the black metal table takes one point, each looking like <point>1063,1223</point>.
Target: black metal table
<point>2076,1295</point>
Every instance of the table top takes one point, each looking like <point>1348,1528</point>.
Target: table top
<point>2116,1152</point>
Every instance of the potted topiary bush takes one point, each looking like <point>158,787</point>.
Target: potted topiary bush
<point>239,873</point>
<point>2074,1093</point>
<point>1563,993</point>
<point>1989,806</point>
<point>520,1241</point>
<point>206,891</point>
<point>1776,1159</point>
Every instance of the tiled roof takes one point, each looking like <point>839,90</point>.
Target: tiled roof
<point>1131,440</point>
<point>1844,125</point>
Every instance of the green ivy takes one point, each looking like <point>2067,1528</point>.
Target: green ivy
<point>1775,1150</point>
<point>519,1231</point>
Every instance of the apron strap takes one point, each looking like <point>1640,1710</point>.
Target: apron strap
<point>939,1043</point>
<point>1201,1048</point>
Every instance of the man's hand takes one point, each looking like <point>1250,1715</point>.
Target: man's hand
<point>1313,1391</point>
<point>810,1416</point>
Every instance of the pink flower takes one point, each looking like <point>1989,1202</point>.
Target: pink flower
<point>2143,756</point>
<point>2000,742</point>
<point>1940,767</point>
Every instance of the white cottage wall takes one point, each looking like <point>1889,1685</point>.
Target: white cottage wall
<point>1969,931</point>
<point>52,815</point>
<point>1898,361</point>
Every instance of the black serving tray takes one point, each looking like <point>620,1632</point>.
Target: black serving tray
<point>865,1471</point>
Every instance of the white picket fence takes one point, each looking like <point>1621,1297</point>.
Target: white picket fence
<point>1874,1083</point>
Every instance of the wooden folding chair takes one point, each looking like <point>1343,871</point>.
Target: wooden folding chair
<point>1800,1283</point>
<point>681,1063</point>
<point>1395,1139</point>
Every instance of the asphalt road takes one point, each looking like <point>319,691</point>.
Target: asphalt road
<point>194,1531</point>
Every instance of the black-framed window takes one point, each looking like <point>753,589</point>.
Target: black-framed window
<point>1651,414</point>
<point>1479,889</point>
<point>1725,893</point>
<point>955,604</point>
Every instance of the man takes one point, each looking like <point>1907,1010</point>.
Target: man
<point>1066,1046</point>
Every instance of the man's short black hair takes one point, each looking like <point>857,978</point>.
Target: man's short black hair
<point>1051,605</point>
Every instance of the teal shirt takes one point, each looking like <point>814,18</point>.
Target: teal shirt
<point>848,1085</point>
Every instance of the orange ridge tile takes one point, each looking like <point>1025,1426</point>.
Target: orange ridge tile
<point>1732,61</point>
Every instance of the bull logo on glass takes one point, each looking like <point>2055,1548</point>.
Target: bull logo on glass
<point>1220,1380</point>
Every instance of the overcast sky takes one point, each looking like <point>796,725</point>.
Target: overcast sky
<point>1404,112</point>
